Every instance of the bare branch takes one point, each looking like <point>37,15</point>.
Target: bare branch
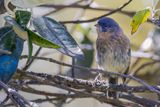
<point>106,73</point>
<point>128,13</point>
<point>85,88</point>
<point>14,96</point>
<point>94,19</point>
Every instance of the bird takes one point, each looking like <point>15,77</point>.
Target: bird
<point>113,50</point>
<point>9,41</point>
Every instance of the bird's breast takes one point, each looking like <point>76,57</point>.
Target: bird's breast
<point>112,56</point>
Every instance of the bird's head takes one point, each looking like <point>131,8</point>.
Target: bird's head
<point>107,24</point>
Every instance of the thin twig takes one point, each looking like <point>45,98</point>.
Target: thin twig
<point>32,59</point>
<point>61,6</point>
<point>106,73</point>
<point>96,18</point>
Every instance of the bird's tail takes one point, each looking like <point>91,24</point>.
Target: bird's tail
<point>113,80</point>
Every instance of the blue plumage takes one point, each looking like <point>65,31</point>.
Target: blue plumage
<point>107,24</point>
<point>8,63</point>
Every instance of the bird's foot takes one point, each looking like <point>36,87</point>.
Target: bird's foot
<point>98,77</point>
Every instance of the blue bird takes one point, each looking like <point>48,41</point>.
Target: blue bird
<point>113,49</point>
<point>9,41</point>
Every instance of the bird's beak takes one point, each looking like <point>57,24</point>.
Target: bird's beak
<point>96,25</point>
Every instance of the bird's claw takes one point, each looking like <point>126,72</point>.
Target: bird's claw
<point>98,77</point>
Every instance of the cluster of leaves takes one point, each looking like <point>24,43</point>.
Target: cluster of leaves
<point>51,34</point>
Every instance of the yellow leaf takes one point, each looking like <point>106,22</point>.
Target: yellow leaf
<point>139,18</point>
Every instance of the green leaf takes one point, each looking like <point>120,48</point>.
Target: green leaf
<point>139,18</point>
<point>57,33</point>
<point>30,47</point>
<point>40,41</point>
<point>22,18</point>
<point>7,39</point>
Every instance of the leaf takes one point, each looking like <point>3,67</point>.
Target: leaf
<point>7,39</point>
<point>17,28</point>
<point>30,47</point>
<point>139,18</point>
<point>40,41</point>
<point>22,18</point>
<point>55,32</point>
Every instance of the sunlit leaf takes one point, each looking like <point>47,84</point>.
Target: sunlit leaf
<point>139,18</point>
<point>40,41</point>
<point>57,33</point>
<point>22,18</point>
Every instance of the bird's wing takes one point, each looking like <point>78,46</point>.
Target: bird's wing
<point>127,70</point>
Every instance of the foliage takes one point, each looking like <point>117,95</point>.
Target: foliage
<point>57,33</point>
<point>47,39</point>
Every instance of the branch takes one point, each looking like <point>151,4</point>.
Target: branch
<point>83,84</point>
<point>75,5</point>
<point>106,73</point>
<point>147,55</point>
<point>32,60</point>
<point>96,18</point>
<point>60,8</point>
<point>84,88</point>
<point>14,96</point>
<point>128,13</point>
